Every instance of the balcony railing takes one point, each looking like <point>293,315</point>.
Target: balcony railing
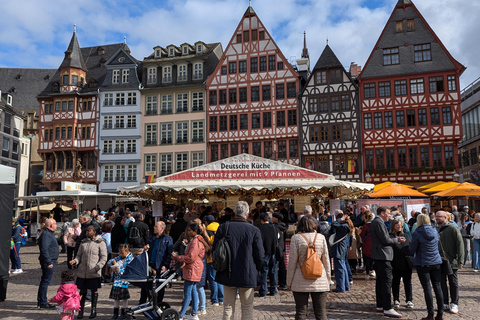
<point>197,140</point>
<point>182,140</point>
<point>166,141</point>
<point>151,142</point>
<point>151,112</point>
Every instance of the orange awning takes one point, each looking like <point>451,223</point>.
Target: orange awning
<point>397,190</point>
<point>382,185</point>
<point>442,187</point>
<point>462,190</point>
<point>430,185</point>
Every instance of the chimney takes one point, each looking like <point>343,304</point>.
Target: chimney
<point>355,70</point>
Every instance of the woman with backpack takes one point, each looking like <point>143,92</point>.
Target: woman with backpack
<point>17,234</point>
<point>305,285</point>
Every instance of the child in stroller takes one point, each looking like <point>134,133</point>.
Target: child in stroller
<point>139,274</point>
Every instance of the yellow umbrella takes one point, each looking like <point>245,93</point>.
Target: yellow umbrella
<point>462,190</point>
<point>430,185</point>
<point>397,190</point>
<point>382,185</point>
<point>46,208</point>
<point>441,187</point>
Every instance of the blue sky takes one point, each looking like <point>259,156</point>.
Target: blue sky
<point>35,33</point>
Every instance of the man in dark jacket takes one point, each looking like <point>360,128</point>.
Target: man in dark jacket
<point>284,212</point>
<point>48,258</point>
<point>247,255</point>
<point>137,234</point>
<point>323,227</point>
<point>452,243</point>
<point>178,227</point>
<point>382,255</point>
<point>269,266</point>
<point>280,253</point>
<point>339,251</point>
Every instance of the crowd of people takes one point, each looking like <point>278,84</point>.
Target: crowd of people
<point>384,244</point>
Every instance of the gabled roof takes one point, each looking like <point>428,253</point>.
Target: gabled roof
<point>327,60</point>
<point>24,85</point>
<point>405,41</point>
<point>73,56</point>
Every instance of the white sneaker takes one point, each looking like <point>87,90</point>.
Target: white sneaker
<point>332,283</point>
<point>396,303</point>
<point>191,317</point>
<point>12,270</point>
<point>220,303</point>
<point>18,271</point>
<point>373,274</point>
<point>392,313</point>
<point>202,311</point>
<point>453,308</point>
<point>215,304</point>
<point>351,282</point>
<point>410,304</point>
<point>238,296</point>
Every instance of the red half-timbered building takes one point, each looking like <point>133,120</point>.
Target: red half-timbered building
<point>252,98</point>
<point>68,116</point>
<point>410,103</point>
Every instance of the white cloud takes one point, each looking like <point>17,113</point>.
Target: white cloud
<point>35,33</point>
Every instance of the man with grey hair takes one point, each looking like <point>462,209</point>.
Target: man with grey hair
<point>247,255</point>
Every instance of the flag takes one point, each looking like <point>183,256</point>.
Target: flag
<point>352,166</point>
<point>150,179</point>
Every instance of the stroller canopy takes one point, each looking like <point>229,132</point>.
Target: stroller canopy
<point>137,269</point>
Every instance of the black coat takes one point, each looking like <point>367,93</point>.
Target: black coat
<point>400,253</point>
<point>247,253</point>
<point>177,228</point>
<point>269,238</point>
<point>48,247</point>
<point>144,234</point>
<point>118,234</point>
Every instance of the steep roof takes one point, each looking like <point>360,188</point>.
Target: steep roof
<point>405,41</point>
<point>327,60</point>
<point>24,85</point>
<point>73,56</point>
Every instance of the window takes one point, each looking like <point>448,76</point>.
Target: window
<point>399,26</point>
<point>422,52</point>
<point>253,65</point>
<point>244,147</point>
<point>346,131</point>
<point>167,104</point>
<point>384,89</point>
<point>197,131</point>
<point>182,132</point>
<point>233,122</point>
<point>64,132</point>
<point>197,71</point>
<point>119,146</point>
<point>57,106</point>
<point>449,156</point>
<point>291,90</point>
<point>198,159</point>
<point>255,120</point>
<point>447,115</point>
<point>108,176</point>
<point>424,157</point>
<point>292,117</point>
<point>402,157</point>
<point>243,94</point>
<point>379,159</point>
<point>367,121</point>
<point>323,104</point>
<point>49,108</point>
<point>57,133</point>
<point>412,155</point>
<point>282,149</point>
<point>437,156</point>
<point>388,116</point>
<point>197,101</point>
<point>107,146</point>
<point>378,121</point>
<point>369,90</point>
<point>369,159</point>
<point>232,96</point>
<point>151,134</point>
<point>411,118</point>
<point>321,77</point>
<point>150,162</point>
<point>280,90</point>
<point>401,87</point>
<point>125,75</point>
<point>323,133</point>
<point>239,38</point>
<point>280,118</point>
<point>400,115</point>
<point>85,132</point>
<point>267,149</point>
<point>233,149</point>
<point>223,123</point>
<point>266,93</point>
<point>167,133</point>
<point>131,146</point>
<point>132,172</point>
<point>243,122</point>
<point>166,164</point>
<point>199,48</point>
<point>335,103</point>
<point>64,105</point>
<point>473,155</point>
<point>422,117</point>
<point>70,105</point>
<point>116,76</point>
<point>279,65</point>
<point>390,157</point>
<point>267,120</point>
<point>293,148</point>
<point>61,162</point>
<point>171,53</point>
<point>213,124</point>
<point>271,63</point>
<point>107,122</point>
<point>120,99</point>
<point>242,66</point>
<point>74,79</point>
<point>416,86</point>
<point>87,105</point>
<point>181,161</point>
<point>213,97</point>
<point>335,76</point>
<point>255,93</point>
<point>336,132</point>
<point>391,56</point>
<point>345,102</point>
<point>152,75</point>
<point>254,35</point>
<point>257,149</point>
<point>167,74</point>
<point>313,105</point>
<point>182,72</point>
<point>436,84</point>
<point>314,133</point>
<point>224,70</point>
<point>261,35</point>
<point>263,64</point>
<point>434,116</point>
<point>452,83</point>
<point>151,107</point>
<point>69,132</point>
<point>232,67</point>
<point>119,122</point>
<point>131,121</point>
<point>182,102</point>
<point>410,25</point>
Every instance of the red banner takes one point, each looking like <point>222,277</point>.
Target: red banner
<point>246,174</point>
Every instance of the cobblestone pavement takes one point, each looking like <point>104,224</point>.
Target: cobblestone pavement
<point>359,303</point>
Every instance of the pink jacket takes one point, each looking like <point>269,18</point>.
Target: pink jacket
<point>68,296</point>
<point>70,236</point>
<point>192,271</point>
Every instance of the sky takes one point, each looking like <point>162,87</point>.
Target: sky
<point>35,33</point>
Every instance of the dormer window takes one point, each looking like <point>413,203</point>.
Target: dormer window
<point>182,72</point>
<point>158,53</point>
<point>185,50</point>
<point>55,87</point>
<point>197,71</point>
<point>167,74</point>
<point>100,50</point>
<point>65,78</point>
<point>199,48</point>
<point>92,83</point>
<point>9,100</point>
<point>171,52</point>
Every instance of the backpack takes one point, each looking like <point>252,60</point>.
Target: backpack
<point>72,302</point>
<point>134,235</point>
<point>222,254</point>
<point>312,266</point>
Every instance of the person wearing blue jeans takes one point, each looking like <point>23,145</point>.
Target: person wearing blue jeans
<point>48,258</point>
<point>341,275</point>
<point>339,251</point>
<point>17,244</point>
<point>216,289</point>
<point>269,267</point>
<point>476,254</point>
<point>190,294</point>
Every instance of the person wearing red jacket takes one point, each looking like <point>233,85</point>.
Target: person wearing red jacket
<point>67,296</point>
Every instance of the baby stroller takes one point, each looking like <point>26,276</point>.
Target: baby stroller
<point>137,273</point>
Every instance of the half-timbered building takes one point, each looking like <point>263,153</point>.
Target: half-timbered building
<point>69,111</point>
<point>252,98</point>
<point>411,117</point>
<point>330,133</point>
